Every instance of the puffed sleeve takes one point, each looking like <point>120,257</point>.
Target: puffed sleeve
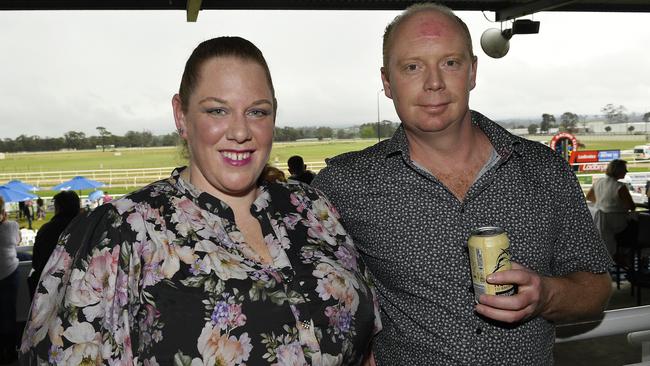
<point>80,310</point>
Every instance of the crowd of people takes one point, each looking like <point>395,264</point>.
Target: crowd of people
<point>229,261</point>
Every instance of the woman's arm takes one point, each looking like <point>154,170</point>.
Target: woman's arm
<point>591,196</point>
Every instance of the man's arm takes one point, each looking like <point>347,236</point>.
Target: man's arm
<point>558,299</point>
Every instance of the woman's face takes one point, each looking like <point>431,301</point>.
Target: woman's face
<point>228,126</point>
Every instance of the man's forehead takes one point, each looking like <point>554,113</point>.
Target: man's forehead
<point>430,24</point>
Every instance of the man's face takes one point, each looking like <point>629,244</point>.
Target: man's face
<point>430,73</point>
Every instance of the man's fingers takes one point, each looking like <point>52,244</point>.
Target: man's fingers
<point>507,316</point>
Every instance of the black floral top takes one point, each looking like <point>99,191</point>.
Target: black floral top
<point>162,276</point>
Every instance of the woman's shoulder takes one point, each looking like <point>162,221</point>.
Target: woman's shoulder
<point>296,189</point>
<point>11,225</point>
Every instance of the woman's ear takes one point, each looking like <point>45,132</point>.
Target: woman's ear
<point>179,116</point>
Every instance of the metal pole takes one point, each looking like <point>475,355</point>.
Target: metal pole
<point>378,135</point>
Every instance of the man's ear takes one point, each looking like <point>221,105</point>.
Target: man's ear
<point>386,83</point>
<point>472,74</point>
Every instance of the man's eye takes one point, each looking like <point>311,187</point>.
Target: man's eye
<point>451,63</point>
<point>259,113</point>
<point>411,67</point>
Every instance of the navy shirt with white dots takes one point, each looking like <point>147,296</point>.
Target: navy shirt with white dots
<point>412,233</point>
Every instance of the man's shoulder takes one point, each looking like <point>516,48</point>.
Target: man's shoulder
<point>360,159</point>
<point>346,174</point>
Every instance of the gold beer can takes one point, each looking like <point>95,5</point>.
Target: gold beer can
<point>489,252</point>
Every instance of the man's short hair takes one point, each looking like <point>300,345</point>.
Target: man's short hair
<point>416,9</point>
<point>296,164</point>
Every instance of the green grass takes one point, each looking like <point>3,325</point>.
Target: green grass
<point>610,145</point>
<point>159,157</point>
<point>316,151</point>
<point>90,160</point>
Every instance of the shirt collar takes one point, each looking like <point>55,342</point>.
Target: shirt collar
<point>208,201</point>
<point>503,141</point>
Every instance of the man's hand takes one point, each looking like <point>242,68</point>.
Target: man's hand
<point>529,301</point>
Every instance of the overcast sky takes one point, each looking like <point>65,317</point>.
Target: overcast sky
<point>62,71</point>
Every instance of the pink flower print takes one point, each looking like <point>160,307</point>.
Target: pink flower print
<point>339,318</point>
<point>227,316</point>
<point>301,202</point>
<point>219,349</point>
<point>121,288</point>
<point>151,274</point>
<point>152,315</point>
<point>291,220</point>
<point>346,257</point>
<point>55,354</point>
<point>197,267</point>
<point>188,217</point>
<point>290,355</point>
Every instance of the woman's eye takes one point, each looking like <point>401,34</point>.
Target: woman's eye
<point>217,111</point>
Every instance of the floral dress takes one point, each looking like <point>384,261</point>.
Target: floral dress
<point>163,276</point>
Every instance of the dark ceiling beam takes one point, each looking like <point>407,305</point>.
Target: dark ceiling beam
<point>529,8</point>
<point>503,6</point>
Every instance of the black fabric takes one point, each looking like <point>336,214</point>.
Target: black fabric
<point>46,239</point>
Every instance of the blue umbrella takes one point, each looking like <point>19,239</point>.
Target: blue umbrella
<point>21,186</point>
<point>12,195</point>
<point>78,183</point>
<point>96,195</point>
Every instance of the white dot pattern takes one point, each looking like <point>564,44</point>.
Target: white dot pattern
<point>412,234</point>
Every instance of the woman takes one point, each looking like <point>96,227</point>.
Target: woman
<point>613,201</point>
<point>9,239</point>
<point>207,267</point>
<point>66,207</point>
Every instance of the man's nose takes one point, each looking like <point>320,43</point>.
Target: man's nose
<point>433,80</point>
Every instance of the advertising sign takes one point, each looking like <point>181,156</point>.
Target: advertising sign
<point>609,155</point>
<point>585,156</point>
<point>593,167</point>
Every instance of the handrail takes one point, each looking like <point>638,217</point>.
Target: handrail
<point>612,322</point>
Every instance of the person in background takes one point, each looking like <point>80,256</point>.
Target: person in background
<point>21,210</point>
<point>9,239</point>
<point>40,209</point>
<point>208,267</point>
<point>613,203</point>
<point>272,174</point>
<point>107,197</point>
<point>66,207</point>
<point>298,170</point>
<point>28,213</point>
<point>411,202</point>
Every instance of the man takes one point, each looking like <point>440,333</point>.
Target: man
<point>411,202</point>
<point>298,170</point>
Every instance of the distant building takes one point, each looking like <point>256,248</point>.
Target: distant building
<point>639,127</point>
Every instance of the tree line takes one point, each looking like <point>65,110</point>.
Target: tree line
<point>569,121</point>
<point>77,140</point>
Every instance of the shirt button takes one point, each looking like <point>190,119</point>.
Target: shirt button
<point>479,330</point>
<point>462,210</point>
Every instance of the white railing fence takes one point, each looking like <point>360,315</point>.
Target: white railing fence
<point>127,178</point>
<point>634,321</point>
